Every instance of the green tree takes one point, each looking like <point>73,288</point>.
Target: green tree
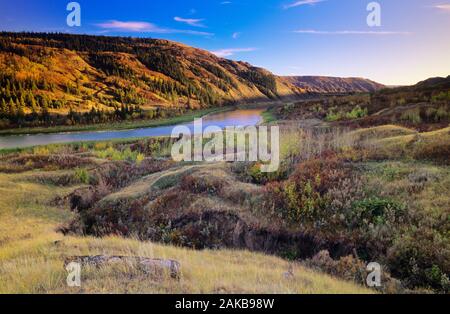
<point>3,108</point>
<point>12,108</point>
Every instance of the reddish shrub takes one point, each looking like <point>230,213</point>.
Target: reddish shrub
<point>303,197</point>
<point>201,185</point>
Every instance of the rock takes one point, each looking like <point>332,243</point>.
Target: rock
<point>151,266</point>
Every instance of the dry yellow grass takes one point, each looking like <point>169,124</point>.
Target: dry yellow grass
<point>32,255</point>
<point>383,131</point>
<point>422,144</point>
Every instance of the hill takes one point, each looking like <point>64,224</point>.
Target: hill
<point>64,79</point>
<point>57,72</point>
<point>424,106</point>
<point>434,82</point>
<point>333,85</point>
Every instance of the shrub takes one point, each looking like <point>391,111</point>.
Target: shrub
<point>251,172</point>
<point>347,267</point>
<point>421,258</point>
<point>437,115</point>
<point>344,195</point>
<point>442,114</point>
<point>82,175</point>
<point>41,150</point>
<point>412,115</point>
<point>401,101</point>
<point>438,151</point>
<point>332,116</point>
<point>303,197</point>
<point>357,113</point>
<point>442,96</point>
<point>376,211</point>
<point>140,158</point>
<point>102,145</point>
<point>119,155</point>
<point>198,185</point>
<point>260,177</point>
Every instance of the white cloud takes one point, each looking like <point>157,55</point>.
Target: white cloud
<point>302,2</point>
<point>236,35</point>
<point>191,22</point>
<point>349,32</point>
<point>445,6</point>
<point>231,51</point>
<point>144,27</point>
<point>131,26</point>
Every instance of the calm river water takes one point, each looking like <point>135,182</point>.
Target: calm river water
<point>240,117</point>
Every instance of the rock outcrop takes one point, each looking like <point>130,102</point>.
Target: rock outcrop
<point>150,266</point>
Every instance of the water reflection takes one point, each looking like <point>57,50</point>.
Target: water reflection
<point>246,117</point>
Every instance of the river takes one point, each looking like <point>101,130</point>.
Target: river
<point>239,117</point>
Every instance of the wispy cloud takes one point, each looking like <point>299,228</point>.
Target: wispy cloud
<point>231,51</point>
<point>130,26</point>
<point>191,22</point>
<point>225,2</point>
<point>236,35</point>
<point>445,6</point>
<point>144,27</point>
<point>302,2</point>
<point>349,32</point>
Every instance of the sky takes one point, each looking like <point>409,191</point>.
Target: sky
<point>287,37</point>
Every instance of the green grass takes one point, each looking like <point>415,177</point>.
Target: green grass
<point>268,116</point>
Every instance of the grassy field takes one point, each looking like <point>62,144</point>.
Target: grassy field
<point>32,255</point>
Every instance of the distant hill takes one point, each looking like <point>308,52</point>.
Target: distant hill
<point>330,85</point>
<point>62,71</point>
<point>426,90</point>
<point>435,82</point>
<point>64,79</point>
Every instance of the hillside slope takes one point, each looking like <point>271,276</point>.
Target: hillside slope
<point>327,85</point>
<point>60,71</point>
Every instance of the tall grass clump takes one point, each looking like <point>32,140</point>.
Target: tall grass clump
<point>82,175</point>
<point>356,113</point>
<point>412,115</point>
<point>120,155</point>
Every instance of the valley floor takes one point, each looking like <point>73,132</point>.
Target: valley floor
<point>342,198</point>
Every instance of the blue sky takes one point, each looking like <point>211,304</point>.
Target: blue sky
<point>288,37</point>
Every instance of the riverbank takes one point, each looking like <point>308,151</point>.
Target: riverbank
<point>126,125</point>
<point>222,118</point>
